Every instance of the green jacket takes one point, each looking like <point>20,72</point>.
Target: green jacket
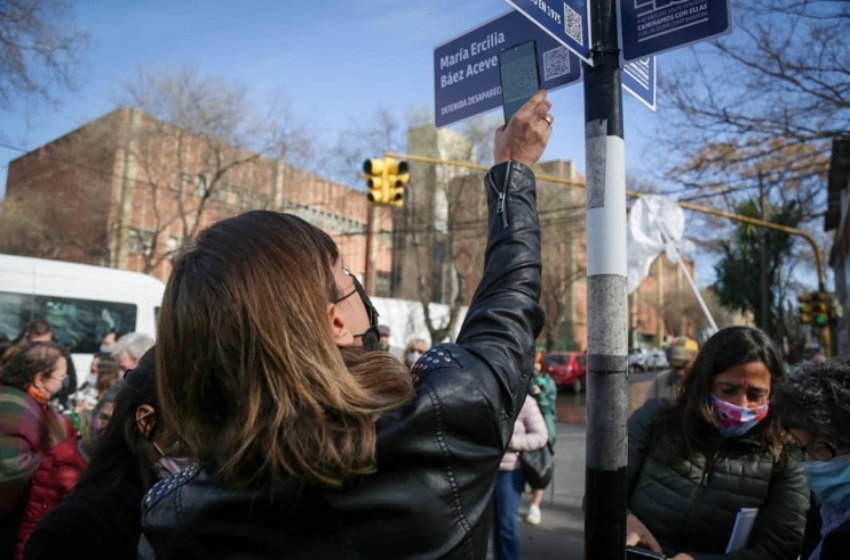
<point>691,507</point>
<point>546,399</point>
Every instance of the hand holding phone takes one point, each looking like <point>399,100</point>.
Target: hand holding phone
<point>525,136</point>
<point>519,76</point>
<point>636,553</point>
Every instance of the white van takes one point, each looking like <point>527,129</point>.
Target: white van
<point>80,302</point>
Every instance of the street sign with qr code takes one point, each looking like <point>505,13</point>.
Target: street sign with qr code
<point>466,69</point>
<point>567,21</point>
<point>649,27</point>
<point>639,79</point>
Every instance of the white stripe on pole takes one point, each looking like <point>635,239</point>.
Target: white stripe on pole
<point>606,223</point>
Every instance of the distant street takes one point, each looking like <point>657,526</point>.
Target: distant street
<point>572,408</point>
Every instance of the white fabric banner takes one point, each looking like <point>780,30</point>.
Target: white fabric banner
<point>648,216</point>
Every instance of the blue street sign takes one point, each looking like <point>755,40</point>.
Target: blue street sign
<point>639,80</point>
<point>466,69</point>
<point>570,25</point>
<point>650,27</point>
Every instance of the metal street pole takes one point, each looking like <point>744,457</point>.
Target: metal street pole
<point>607,307</point>
<point>369,268</point>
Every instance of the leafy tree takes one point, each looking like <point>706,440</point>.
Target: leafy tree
<point>737,271</point>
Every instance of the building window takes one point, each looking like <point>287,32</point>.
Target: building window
<point>147,243</point>
<point>134,241</point>
<point>171,245</point>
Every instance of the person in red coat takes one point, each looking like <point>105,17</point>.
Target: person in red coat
<point>58,473</point>
<point>29,428</point>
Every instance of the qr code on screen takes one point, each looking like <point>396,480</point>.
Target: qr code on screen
<point>556,63</point>
<point>572,24</point>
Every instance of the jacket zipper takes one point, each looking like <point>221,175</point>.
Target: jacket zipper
<point>502,203</point>
<point>703,483</point>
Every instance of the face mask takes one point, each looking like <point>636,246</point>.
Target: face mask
<point>830,481</point>
<point>169,464</point>
<point>412,357</point>
<point>91,380</point>
<point>104,349</point>
<point>733,420</point>
<point>371,336</point>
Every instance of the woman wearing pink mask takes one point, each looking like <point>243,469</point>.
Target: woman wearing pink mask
<point>694,464</point>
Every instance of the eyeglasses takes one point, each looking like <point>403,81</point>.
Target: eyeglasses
<point>364,297</point>
<point>821,450</point>
<point>370,336</point>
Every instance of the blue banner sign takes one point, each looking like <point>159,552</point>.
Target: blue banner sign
<point>649,27</point>
<point>639,80</point>
<point>466,69</point>
<point>568,21</point>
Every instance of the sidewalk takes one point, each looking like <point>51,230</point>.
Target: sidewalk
<point>560,535</point>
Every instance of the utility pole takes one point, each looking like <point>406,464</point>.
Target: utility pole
<point>764,292</point>
<point>369,271</point>
<point>607,309</point>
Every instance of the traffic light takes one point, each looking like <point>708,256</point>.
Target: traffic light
<point>815,308</point>
<point>820,309</point>
<point>806,307</point>
<point>385,179</point>
<point>375,173</point>
<point>398,177</point>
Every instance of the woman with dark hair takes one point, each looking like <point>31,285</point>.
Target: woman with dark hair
<point>694,464</point>
<point>102,517</point>
<point>29,428</point>
<point>313,444</point>
<point>814,406</point>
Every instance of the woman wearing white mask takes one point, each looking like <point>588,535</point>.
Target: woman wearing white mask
<point>696,463</point>
<point>815,408</point>
<point>415,349</point>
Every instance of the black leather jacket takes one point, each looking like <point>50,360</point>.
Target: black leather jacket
<point>437,456</point>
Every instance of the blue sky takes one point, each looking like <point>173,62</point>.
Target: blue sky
<point>325,57</point>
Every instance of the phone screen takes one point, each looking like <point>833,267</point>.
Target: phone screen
<point>519,76</point>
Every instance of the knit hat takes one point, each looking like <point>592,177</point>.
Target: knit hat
<point>682,351</point>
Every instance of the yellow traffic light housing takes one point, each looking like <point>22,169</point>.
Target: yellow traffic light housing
<point>820,309</point>
<point>815,308</point>
<point>385,179</point>
<point>375,171</point>
<point>398,176</point>
<point>806,307</point>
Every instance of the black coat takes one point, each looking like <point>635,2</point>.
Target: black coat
<point>437,456</point>
<point>836,545</point>
<point>94,527</point>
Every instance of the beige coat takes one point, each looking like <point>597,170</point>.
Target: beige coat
<point>530,433</point>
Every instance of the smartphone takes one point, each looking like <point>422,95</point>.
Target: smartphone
<point>519,76</point>
<point>635,553</point>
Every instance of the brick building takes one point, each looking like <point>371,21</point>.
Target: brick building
<point>128,191</point>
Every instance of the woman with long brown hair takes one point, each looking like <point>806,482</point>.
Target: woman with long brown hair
<point>309,443</point>
<point>696,463</point>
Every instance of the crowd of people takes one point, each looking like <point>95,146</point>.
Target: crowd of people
<point>273,419</point>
